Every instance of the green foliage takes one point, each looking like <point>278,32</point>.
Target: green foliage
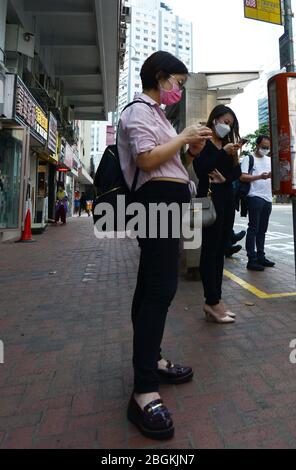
<point>251,146</point>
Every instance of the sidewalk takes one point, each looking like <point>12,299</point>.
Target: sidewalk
<point>67,376</point>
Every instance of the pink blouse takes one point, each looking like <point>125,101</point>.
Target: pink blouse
<point>141,129</point>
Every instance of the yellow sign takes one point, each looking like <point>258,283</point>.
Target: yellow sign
<point>264,10</point>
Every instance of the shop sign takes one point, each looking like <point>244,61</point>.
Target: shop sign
<point>52,141</point>
<point>69,156</point>
<point>30,113</point>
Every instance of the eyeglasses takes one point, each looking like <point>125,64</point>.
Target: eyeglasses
<point>179,82</point>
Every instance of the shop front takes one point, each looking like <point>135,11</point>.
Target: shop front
<point>29,113</point>
<point>12,161</point>
<point>44,169</point>
<point>68,172</point>
<point>28,160</point>
<point>14,145</point>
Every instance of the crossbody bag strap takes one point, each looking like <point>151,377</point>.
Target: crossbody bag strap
<point>251,164</point>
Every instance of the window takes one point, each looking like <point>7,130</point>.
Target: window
<point>166,43</point>
<point>146,39</point>
<point>145,31</point>
<point>138,37</point>
<point>153,40</point>
<point>145,47</point>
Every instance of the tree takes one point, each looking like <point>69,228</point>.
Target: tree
<point>251,146</point>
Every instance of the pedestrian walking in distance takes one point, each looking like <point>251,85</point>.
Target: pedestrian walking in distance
<point>147,140</point>
<point>83,204</point>
<point>61,204</point>
<point>258,203</point>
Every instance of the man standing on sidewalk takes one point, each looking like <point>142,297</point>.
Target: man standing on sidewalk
<point>259,203</point>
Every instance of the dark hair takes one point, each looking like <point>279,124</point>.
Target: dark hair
<point>160,65</point>
<point>233,137</point>
<point>61,185</point>
<point>219,111</point>
<point>260,138</point>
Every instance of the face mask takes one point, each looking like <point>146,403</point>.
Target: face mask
<point>169,97</point>
<point>222,129</point>
<point>263,152</point>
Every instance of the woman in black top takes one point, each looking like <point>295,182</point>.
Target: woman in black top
<point>218,164</point>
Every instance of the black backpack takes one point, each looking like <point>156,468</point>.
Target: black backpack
<point>243,189</point>
<point>109,183</point>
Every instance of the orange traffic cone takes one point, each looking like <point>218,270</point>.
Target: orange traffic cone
<point>27,234</point>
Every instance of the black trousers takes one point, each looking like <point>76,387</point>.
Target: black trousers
<point>214,241</point>
<point>156,287</point>
<point>259,212</point>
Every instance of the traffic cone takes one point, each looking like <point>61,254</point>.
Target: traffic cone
<point>26,233</point>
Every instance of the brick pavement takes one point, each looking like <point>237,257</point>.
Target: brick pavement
<point>67,375</point>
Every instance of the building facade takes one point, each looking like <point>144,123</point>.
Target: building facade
<point>52,79</point>
<point>153,26</point>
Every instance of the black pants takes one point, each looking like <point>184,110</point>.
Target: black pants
<point>259,212</point>
<point>214,241</point>
<point>156,287</point>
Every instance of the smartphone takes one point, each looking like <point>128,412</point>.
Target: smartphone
<point>243,141</point>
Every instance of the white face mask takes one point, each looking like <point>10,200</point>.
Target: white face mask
<point>222,129</point>
<point>263,152</point>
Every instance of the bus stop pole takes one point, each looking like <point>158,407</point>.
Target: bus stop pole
<point>290,67</point>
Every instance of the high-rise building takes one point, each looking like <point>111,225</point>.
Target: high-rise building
<point>153,27</point>
<point>263,112</point>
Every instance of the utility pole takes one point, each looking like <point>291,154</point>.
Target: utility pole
<point>289,34</point>
<point>290,67</point>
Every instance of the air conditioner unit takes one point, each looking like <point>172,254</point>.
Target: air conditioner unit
<point>68,114</point>
<point>17,39</point>
<point>15,63</point>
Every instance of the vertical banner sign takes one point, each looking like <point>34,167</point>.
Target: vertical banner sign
<point>269,11</point>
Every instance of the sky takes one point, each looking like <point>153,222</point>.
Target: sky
<point>223,40</point>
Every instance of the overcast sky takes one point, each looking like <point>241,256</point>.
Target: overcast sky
<point>224,40</point>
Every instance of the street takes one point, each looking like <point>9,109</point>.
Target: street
<point>67,373</point>
<point>279,240</point>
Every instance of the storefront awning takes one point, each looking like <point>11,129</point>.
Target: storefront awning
<point>84,177</point>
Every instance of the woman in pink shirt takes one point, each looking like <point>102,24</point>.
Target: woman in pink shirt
<point>147,140</point>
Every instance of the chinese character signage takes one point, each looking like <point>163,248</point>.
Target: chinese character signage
<point>30,113</point>
<point>264,10</point>
<point>69,156</point>
<point>52,134</point>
